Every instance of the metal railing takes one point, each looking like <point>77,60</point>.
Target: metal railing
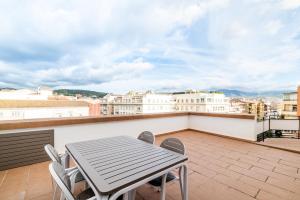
<point>276,130</point>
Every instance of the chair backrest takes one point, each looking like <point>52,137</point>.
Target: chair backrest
<point>52,153</point>
<point>173,144</point>
<point>62,179</point>
<point>147,136</point>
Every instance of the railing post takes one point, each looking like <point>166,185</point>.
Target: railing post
<point>263,133</point>
<point>299,129</point>
<point>269,123</point>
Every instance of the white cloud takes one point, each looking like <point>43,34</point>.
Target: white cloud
<point>290,4</point>
<point>273,26</point>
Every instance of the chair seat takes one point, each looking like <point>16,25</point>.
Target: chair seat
<point>158,181</point>
<point>79,178</point>
<point>86,194</point>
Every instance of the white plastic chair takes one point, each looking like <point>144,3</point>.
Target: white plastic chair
<point>172,144</point>
<point>63,181</point>
<point>73,172</point>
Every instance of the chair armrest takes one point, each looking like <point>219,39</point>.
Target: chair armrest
<point>71,169</point>
<point>65,159</point>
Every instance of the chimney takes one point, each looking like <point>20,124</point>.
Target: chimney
<point>298,102</point>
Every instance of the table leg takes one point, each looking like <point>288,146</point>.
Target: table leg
<point>181,181</point>
<point>163,187</point>
<point>185,182</point>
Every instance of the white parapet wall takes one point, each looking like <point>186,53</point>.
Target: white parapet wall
<point>75,133</point>
<point>232,127</point>
<point>286,124</point>
<point>75,130</point>
<point>79,132</point>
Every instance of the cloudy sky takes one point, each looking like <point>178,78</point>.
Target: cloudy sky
<point>164,45</point>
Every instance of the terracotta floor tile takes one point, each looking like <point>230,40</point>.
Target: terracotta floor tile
<point>262,195</point>
<point>224,171</point>
<point>290,163</point>
<point>14,183</point>
<point>237,185</point>
<point>282,193</point>
<point>39,181</point>
<point>291,173</point>
<point>246,172</point>
<point>257,164</point>
<point>291,186</point>
<point>293,144</point>
<point>272,174</point>
<point>235,162</point>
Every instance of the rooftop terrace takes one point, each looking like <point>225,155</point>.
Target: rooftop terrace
<point>219,168</point>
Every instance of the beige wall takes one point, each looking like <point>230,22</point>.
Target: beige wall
<point>298,102</point>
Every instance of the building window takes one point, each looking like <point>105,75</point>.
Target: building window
<point>198,101</point>
<point>294,108</point>
<point>192,100</point>
<point>202,100</point>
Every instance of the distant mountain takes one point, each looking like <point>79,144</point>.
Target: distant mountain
<point>85,93</point>
<point>239,93</point>
<point>7,88</point>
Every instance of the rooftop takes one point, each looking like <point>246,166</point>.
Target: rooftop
<point>40,103</point>
<point>219,168</point>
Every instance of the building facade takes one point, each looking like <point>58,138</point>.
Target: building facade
<point>289,105</point>
<point>36,109</point>
<point>258,108</point>
<point>136,103</point>
<point>194,101</point>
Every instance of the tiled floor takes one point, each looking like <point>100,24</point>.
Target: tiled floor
<point>286,143</point>
<point>219,169</point>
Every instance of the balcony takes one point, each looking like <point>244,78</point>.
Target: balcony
<point>225,162</point>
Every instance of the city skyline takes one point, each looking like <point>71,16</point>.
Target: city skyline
<point>121,46</point>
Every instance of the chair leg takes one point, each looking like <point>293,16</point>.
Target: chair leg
<point>163,188</point>
<point>72,180</point>
<point>126,196</point>
<point>131,194</point>
<point>54,192</point>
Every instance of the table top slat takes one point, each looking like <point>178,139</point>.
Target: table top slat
<point>100,158</point>
<point>120,161</point>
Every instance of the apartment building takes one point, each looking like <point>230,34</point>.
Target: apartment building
<point>137,103</point>
<point>35,109</point>
<point>196,101</point>
<point>107,104</point>
<point>257,108</point>
<point>289,105</point>
<point>237,105</point>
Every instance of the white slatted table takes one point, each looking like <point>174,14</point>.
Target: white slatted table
<point>116,165</point>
